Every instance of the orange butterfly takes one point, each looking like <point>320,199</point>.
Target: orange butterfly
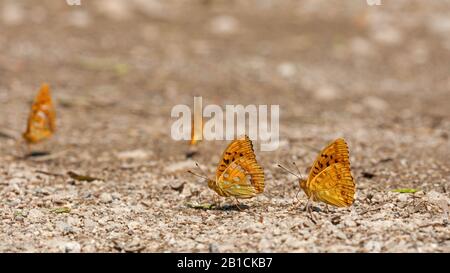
<point>330,179</point>
<point>41,121</point>
<point>238,174</point>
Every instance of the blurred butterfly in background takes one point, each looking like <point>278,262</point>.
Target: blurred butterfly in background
<point>41,121</point>
<point>330,179</point>
<point>196,136</point>
<point>196,131</point>
<point>238,174</point>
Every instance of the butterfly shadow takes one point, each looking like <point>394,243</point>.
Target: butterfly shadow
<point>32,155</point>
<point>226,207</point>
<point>36,154</point>
<point>234,207</point>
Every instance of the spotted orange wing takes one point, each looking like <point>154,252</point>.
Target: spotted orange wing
<point>238,172</point>
<point>334,185</point>
<point>335,152</point>
<point>234,182</point>
<point>41,121</point>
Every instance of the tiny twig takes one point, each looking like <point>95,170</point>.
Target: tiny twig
<point>433,225</point>
<point>370,210</point>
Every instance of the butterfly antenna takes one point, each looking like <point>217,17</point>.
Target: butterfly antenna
<point>298,170</point>
<point>198,175</point>
<point>287,170</point>
<point>201,170</point>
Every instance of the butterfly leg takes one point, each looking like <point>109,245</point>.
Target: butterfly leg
<point>237,204</point>
<point>308,204</point>
<point>309,209</point>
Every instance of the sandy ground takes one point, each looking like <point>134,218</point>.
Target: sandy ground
<point>376,75</point>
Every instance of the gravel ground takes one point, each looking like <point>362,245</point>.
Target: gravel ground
<point>376,75</point>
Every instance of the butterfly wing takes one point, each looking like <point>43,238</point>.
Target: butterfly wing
<point>45,104</point>
<point>41,121</point>
<point>239,162</point>
<point>234,182</point>
<point>334,185</point>
<point>335,152</point>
